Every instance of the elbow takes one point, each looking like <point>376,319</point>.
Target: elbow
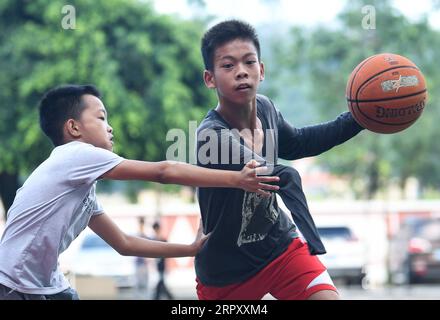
<point>166,174</point>
<point>123,252</point>
<point>123,248</point>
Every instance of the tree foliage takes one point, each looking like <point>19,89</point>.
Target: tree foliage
<point>324,57</point>
<point>147,66</point>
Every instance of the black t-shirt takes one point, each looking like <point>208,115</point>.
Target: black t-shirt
<point>249,231</point>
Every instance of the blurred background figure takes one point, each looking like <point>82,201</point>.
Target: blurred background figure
<point>141,266</point>
<point>161,288</point>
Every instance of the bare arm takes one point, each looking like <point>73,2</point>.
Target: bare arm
<point>186,174</point>
<point>128,245</point>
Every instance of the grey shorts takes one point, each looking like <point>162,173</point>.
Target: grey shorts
<point>10,294</point>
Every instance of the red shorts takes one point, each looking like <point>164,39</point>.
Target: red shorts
<point>288,277</point>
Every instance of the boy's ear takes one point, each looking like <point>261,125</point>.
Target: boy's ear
<point>72,128</point>
<point>208,77</point>
<point>261,71</point>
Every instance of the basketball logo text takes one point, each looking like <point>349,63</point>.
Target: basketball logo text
<point>382,112</point>
<point>405,81</point>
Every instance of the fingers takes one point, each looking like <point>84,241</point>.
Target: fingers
<point>252,164</point>
<point>205,237</point>
<point>263,193</point>
<point>268,187</point>
<point>268,179</point>
<point>262,170</point>
<point>200,234</point>
<point>261,180</point>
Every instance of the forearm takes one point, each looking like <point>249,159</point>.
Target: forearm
<point>313,140</point>
<point>141,247</point>
<point>129,245</point>
<point>189,175</point>
<point>327,135</point>
<point>186,174</point>
<point>172,172</point>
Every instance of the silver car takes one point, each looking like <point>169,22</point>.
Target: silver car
<point>96,258</point>
<point>346,255</point>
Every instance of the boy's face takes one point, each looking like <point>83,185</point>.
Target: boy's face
<point>237,72</point>
<point>92,126</point>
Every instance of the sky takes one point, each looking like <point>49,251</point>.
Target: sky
<point>298,12</point>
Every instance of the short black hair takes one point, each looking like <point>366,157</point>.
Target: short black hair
<point>156,225</point>
<point>61,104</point>
<point>224,32</point>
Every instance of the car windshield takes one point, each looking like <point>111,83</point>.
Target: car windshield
<point>335,233</point>
<point>429,230</point>
<point>93,242</point>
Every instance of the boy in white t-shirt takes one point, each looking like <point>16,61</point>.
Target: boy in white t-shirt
<point>58,200</point>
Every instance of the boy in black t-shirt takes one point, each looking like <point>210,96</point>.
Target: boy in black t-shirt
<point>254,248</point>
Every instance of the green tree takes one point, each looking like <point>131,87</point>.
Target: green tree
<point>147,66</point>
<point>324,58</point>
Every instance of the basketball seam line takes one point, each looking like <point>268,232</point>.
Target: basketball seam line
<point>391,98</point>
<point>357,71</point>
<point>379,73</point>
<point>390,123</point>
<point>352,82</point>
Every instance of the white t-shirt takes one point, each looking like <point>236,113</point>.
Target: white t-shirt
<point>49,211</point>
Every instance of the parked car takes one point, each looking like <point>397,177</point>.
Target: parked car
<point>346,257</point>
<point>415,252</point>
<point>94,257</point>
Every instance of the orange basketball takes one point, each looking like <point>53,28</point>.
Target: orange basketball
<point>386,93</point>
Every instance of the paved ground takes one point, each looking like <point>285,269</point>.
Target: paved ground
<point>417,292</point>
<point>182,286</point>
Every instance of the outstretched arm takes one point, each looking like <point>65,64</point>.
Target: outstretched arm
<point>309,141</point>
<point>186,174</point>
<point>128,245</point>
